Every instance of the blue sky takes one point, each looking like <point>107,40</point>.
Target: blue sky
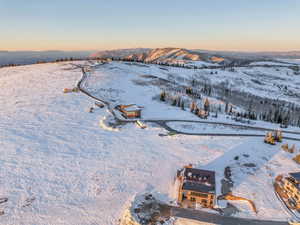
<point>203,24</point>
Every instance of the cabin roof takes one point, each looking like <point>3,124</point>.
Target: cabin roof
<point>199,180</point>
<point>296,176</point>
<point>130,108</point>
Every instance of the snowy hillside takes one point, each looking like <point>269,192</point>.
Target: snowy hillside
<point>294,61</point>
<point>60,165</point>
<point>199,58</point>
<point>120,52</point>
<point>164,55</point>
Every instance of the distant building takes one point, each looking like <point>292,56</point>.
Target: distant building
<point>197,187</point>
<point>130,111</point>
<point>291,185</point>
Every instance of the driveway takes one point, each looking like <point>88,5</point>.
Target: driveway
<point>218,219</point>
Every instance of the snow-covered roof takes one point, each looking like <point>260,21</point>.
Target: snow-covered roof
<point>296,176</point>
<point>132,108</point>
<point>199,180</point>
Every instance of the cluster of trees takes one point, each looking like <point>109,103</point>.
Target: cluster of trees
<point>276,115</point>
<point>9,65</point>
<point>177,101</point>
<point>201,112</point>
<point>296,69</point>
<point>282,115</point>
<point>251,107</point>
<point>165,63</point>
<point>255,107</point>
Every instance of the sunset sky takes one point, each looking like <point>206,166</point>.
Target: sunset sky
<point>256,25</point>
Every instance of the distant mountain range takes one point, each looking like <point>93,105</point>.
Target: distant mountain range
<point>180,55</point>
<point>29,57</point>
<point>168,55</point>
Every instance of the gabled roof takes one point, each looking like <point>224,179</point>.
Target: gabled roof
<point>198,187</point>
<point>199,180</point>
<point>131,107</point>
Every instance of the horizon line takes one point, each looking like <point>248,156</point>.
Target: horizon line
<point>114,49</point>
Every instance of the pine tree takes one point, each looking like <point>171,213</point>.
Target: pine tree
<point>230,110</point>
<point>206,105</point>
<point>216,115</point>
<point>163,96</point>
<point>193,106</point>
<point>182,105</point>
<point>226,108</point>
<point>179,102</point>
<point>174,102</point>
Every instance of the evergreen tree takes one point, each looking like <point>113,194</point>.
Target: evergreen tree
<point>230,110</point>
<point>182,105</point>
<point>179,102</point>
<point>220,108</point>
<point>226,108</point>
<point>206,105</point>
<point>174,103</point>
<point>163,96</point>
<point>193,106</point>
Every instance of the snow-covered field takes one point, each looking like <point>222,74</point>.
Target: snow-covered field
<point>268,63</point>
<point>259,81</point>
<point>58,166</point>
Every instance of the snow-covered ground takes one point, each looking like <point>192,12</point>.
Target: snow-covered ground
<point>295,61</point>
<point>268,63</point>
<point>59,166</point>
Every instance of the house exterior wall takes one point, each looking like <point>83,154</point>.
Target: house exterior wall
<point>292,191</point>
<point>206,200</point>
<point>132,114</point>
